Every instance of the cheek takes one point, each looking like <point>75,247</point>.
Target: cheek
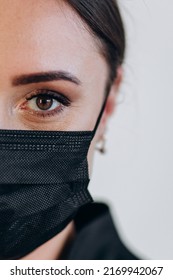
<point>92,149</point>
<point>90,156</point>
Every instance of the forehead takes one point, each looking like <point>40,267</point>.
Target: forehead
<point>44,34</point>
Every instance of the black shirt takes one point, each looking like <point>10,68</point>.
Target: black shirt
<point>96,236</point>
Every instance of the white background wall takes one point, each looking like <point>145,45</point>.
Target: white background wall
<point>135,177</point>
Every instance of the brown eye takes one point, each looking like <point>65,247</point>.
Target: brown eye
<point>44,102</point>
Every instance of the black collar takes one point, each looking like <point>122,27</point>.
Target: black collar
<point>96,236</point>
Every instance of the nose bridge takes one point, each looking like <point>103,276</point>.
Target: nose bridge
<point>5,119</point>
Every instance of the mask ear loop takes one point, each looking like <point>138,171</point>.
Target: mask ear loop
<point>100,115</point>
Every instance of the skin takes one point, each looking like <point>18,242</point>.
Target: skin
<point>41,36</point>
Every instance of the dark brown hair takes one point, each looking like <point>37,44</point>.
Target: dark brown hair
<point>104,21</point>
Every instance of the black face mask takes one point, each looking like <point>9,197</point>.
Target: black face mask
<point>43,183</point>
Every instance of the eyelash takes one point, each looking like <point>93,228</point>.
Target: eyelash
<point>62,99</point>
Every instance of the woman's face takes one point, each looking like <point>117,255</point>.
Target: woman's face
<point>53,76</point>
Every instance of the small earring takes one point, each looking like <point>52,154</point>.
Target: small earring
<point>101,145</point>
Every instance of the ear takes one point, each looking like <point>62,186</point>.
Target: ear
<point>111,102</point>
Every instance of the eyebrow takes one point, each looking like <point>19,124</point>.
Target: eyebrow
<point>44,77</point>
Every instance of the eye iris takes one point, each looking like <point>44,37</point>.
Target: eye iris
<point>44,102</point>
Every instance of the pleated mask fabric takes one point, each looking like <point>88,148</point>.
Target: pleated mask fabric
<point>43,182</point>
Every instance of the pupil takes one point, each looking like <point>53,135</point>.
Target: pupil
<point>44,103</point>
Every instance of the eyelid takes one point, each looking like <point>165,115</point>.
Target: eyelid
<point>61,98</point>
<point>54,94</point>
